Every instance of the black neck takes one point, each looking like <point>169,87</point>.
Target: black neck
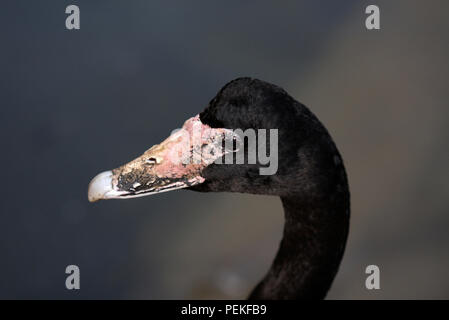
<point>310,252</point>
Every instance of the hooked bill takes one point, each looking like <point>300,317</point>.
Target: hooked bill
<point>175,163</point>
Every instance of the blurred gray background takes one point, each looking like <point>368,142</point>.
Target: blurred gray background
<point>69,101</point>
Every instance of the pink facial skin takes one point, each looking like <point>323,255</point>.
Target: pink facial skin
<point>181,157</point>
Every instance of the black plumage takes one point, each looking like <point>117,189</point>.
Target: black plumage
<point>311,182</point>
<point>310,179</point>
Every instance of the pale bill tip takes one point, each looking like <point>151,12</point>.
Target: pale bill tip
<point>100,187</point>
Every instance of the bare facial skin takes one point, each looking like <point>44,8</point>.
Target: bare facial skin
<point>175,163</point>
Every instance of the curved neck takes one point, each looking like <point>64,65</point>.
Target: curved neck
<point>310,252</point>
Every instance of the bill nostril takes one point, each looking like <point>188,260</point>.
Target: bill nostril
<point>151,160</point>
